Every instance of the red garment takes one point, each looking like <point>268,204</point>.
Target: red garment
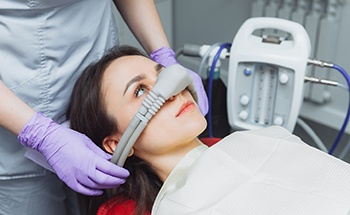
<point>209,141</point>
<point>115,206</point>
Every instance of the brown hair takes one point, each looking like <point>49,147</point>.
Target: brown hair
<point>88,115</point>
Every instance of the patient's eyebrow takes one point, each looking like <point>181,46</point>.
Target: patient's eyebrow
<point>135,79</point>
<point>158,67</point>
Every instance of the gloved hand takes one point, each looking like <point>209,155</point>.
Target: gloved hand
<point>166,57</point>
<point>77,161</point>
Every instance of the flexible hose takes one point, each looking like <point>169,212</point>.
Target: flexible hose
<point>206,55</point>
<point>342,130</point>
<point>210,86</point>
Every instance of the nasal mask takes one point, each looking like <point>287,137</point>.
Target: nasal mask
<point>171,81</point>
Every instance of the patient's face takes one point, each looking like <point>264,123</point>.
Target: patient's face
<point>126,83</point>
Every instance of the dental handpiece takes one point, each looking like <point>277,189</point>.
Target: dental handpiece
<point>171,81</point>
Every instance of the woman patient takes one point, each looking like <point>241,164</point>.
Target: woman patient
<point>266,171</point>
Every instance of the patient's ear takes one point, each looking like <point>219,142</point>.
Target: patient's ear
<point>110,143</point>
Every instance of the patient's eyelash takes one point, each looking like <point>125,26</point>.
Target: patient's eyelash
<point>140,90</point>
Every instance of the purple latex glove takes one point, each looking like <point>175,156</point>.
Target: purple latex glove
<point>166,57</point>
<point>77,161</point>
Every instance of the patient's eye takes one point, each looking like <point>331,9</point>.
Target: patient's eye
<point>140,90</point>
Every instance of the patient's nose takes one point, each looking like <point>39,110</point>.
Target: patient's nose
<point>172,98</point>
<point>180,94</point>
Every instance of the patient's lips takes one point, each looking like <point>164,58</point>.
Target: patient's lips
<point>185,107</point>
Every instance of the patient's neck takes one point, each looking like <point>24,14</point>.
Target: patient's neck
<point>163,165</point>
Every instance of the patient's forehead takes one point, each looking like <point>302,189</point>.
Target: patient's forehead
<point>130,65</point>
<point>120,71</point>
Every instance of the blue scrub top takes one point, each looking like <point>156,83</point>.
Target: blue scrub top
<point>44,46</point>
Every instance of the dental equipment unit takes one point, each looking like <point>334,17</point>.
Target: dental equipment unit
<point>269,64</point>
<point>267,70</point>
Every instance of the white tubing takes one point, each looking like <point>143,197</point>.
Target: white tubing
<point>312,134</point>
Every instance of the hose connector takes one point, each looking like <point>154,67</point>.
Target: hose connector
<point>320,81</point>
<point>319,63</point>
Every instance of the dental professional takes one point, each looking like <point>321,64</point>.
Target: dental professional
<point>44,46</point>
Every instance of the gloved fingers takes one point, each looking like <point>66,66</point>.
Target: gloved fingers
<point>111,169</point>
<point>97,150</point>
<point>86,190</point>
<point>101,181</point>
<point>87,177</point>
<point>112,176</point>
